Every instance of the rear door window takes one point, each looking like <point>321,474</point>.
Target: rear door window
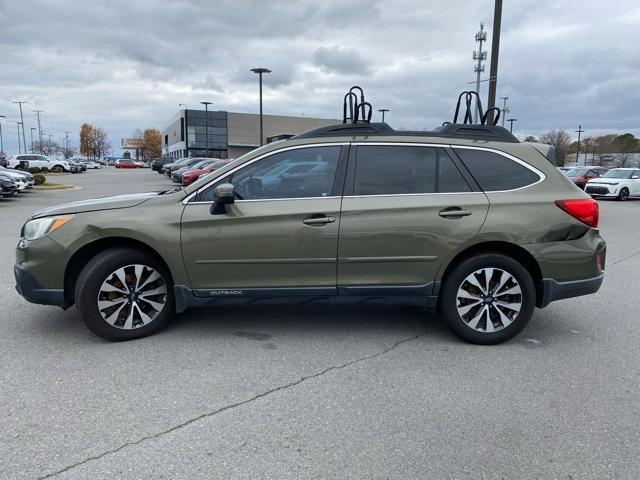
<point>495,172</point>
<point>395,170</point>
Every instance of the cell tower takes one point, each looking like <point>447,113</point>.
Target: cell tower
<point>479,56</point>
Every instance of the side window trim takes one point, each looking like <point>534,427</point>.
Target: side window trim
<point>194,197</point>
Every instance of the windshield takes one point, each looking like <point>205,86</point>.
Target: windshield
<point>576,172</point>
<point>618,174</point>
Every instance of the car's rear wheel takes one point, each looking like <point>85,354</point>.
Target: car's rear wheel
<point>57,169</point>
<point>488,299</point>
<point>623,194</point>
<point>123,293</point>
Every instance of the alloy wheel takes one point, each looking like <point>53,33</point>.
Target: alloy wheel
<point>489,300</point>
<point>132,296</point>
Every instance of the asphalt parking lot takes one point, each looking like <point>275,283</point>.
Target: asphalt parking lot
<point>320,392</point>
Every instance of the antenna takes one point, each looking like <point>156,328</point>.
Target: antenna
<point>480,56</point>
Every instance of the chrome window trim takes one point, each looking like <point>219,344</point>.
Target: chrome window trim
<point>541,175</point>
<point>273,200</point>
<point>260,157</point>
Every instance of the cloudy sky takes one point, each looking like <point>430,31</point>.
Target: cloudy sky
<point>125,65</point>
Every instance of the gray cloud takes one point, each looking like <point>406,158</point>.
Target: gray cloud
<point>123,65</point>
<point>335,59</point>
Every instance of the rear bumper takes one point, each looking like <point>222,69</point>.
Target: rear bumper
<point>553,290</point>
<point>31,291</point>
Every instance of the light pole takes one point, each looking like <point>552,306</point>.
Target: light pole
<point>32,129</point>
<point>1,144</point>
<point>260,71</point>
<point>206,125</point>
<point>38,112</point>
<point>18,126</point>
<point>24,140</point>
<point>66,144</point>
<point>383,110</point>
<point>511,120</point>
<point>579,132</point>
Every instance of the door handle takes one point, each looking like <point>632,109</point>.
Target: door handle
<point>453,212</point>
<point>318,220</point>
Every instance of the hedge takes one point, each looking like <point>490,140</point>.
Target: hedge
<point>39,179</point>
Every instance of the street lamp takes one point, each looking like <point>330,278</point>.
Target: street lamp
<point>32,129</point>
<point>383,110</point>
<point>18,126</point>
<point>206,125</point>
<point>260,71</point>
<point>579,132</point>
<point>1,144</point>
<point>511,120</point>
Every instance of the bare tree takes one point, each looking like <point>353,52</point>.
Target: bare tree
<point>560,140</point>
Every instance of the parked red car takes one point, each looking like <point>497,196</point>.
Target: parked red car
<point>192,175</point>
<point>126,163</point>
<point>580,175</point>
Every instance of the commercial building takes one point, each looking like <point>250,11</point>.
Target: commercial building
<point>230,134</point>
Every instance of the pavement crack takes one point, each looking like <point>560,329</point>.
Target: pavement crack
<point>232,406</point>
<point>624,258</point>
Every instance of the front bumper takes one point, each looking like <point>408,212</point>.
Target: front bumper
<point>602,190</point>
<point>31,291</point>
<point>553,290</point>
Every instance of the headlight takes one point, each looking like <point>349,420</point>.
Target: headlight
<point>37,228</point>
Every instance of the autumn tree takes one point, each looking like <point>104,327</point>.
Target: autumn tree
<point>152,143</point>
<point>560,140</point>
<point>85,140</point>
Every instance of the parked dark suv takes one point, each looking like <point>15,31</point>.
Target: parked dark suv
<point>464,219</point>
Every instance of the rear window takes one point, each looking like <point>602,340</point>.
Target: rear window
<point>495,172</point>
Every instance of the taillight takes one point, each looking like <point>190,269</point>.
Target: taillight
<point>584,209</point>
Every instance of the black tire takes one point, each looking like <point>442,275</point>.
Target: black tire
<point>448,304</point>
<point>57,169</point>
<point>91,278</point>
<point>623,195</point>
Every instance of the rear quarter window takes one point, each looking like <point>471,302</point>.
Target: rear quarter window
<point>495,172</point>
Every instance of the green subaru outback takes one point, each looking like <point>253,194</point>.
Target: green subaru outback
<point>465,220</point>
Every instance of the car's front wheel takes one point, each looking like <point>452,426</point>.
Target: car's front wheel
<point>623,194</point>
<point>488,298</point>
<point>123,293</point>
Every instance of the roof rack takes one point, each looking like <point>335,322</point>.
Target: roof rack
<point>448,130</point>
<point>356,121</point>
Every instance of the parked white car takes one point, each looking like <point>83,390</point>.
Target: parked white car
<point>40,161</point>
<point>22,179</point>
<point>90,164</point>
<point>620,183</point>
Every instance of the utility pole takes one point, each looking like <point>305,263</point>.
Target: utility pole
<point>38,112</point>
<point>511,120</point>
<point>579,132</point>
<point>261,71</point>
<point>505,110</point>
<point>383,110</point>
<point>480,56</point>
<point>31,130</point>
<point>24,140</point>
<point>495,50</point>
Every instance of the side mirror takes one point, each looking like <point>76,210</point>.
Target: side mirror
<point>223,195</point>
